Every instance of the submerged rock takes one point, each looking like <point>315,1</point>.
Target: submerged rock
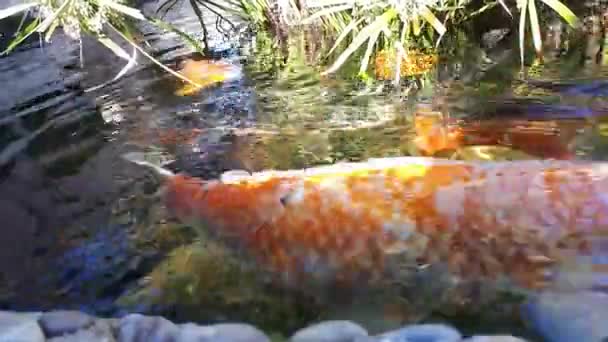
<point>20,327</point>
<point>497,338</point>
<point>330,331</point>
<point>565,317</point>
<point>99,331</point>
<point>227,332</point>
<point>72,326</point>
<point>139,328</point>
<point>422,333</point>
<point>59,323</point>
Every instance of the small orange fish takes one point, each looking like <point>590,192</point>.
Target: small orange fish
<point>546,139</point>
<point>206,73</point>
<point>355,224</point>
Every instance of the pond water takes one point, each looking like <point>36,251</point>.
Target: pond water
<point>81,231</point>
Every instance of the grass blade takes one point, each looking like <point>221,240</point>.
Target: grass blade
<point>368,52</point>
<point>535,27</point>
<point>505,7</point>
<point>522,29</point>
<point>154,60</point>
<point>130,11</point>
<point>428,15</point>
<point>29,29</point>
<point>344,33</point>
<point>7,12</point>
<point>132,62</point>
<point>563,11</point>
<point>326,12</point>
<point>367,32</point>
<point>180,33</point>
<point>51,18</point>
<point>115,48</point>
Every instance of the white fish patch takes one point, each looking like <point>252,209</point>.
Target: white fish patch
<point>449,201</point>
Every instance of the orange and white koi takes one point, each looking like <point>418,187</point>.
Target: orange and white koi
<point>545,139</point>
<point>207,73</point>
<point>358,223</point>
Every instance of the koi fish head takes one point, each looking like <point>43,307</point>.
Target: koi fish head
<point>207,73</point>
<point>227,208</point>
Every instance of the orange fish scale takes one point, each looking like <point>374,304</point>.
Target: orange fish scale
<point>483,221</point>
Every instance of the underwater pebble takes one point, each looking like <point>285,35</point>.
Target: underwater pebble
<point>99,331</point>
<point>20,327</point>
<point>565,317</point>
<point>57,323</point>
<point>422,333</point>
<point>497,338</point>
<point>139,328</point>
<point>331,331</point>
<point>226,332</point>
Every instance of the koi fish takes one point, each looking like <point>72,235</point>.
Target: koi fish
<point>546,139</point>
<point>206,73</point>
<point>531,224</point>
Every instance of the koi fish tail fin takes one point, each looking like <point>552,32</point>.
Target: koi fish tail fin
<point>153,161</point>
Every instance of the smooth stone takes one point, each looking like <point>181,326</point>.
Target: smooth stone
<point>57,323</point>
<point>20,327</point>
<point>496,338</point>
<point>139,328</point>
<point>331,331</point>
<point>422,333</point>
<point>571,316</point>
<point>225,332</point>
<point>100,331</point>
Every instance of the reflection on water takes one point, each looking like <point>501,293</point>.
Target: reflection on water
<point>82,227</point>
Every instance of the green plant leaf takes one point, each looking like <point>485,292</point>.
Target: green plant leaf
<point>154,60</point>
<point>345,32</point>
<point>563,11</point>
<point>46,23</point>
<point>505,7</point>
<point>132,61</point>
<point>180,33</point>
<point>522,28</point>
<point>326,12</point>
<point>368,52</point>
<point>23,35</point>
<point>7,12</point>
<point>115,48</point>
<point>130,11</point>
<point>365,34</point>
<point>428,15</point>
<point>535,27</point>
<point>51,30</point>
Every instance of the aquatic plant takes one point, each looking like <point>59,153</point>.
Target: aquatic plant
<point>93,17</point>
<point>528,8</point>
<point>399,23</point>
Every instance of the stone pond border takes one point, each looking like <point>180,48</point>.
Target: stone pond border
<point>72,326</point>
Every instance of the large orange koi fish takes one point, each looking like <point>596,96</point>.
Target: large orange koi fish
<point>527,222</point>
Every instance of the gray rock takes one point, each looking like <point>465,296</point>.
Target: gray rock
<point>569,316</point>
<point>139,328</point>
<point>99,331</point>
<point>331,331</point>
<point>20,327</point>
<point>227,332</point>
<point>58,323</point>
<point>422,333</point>
<point>496,338</point>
